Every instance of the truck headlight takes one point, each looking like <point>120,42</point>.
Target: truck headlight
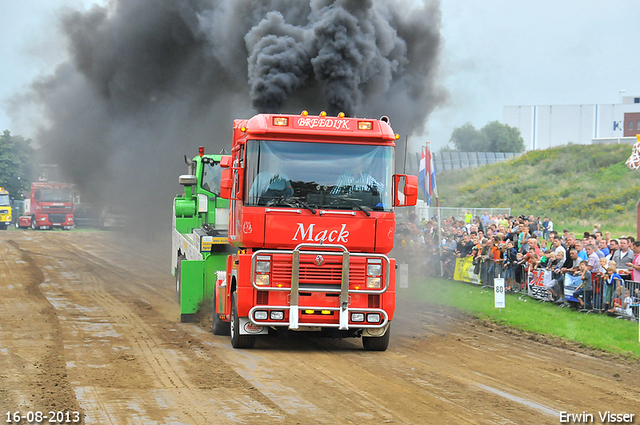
<point>277,315</point>
<point>374,269</point>
<point>262,279</point>
<point>263,266</point>
<point>260,315</point>
<point>357,317</point>
<point>373,282</point>
<point>373,317</point>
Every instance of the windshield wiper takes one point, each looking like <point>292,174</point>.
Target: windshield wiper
<point>287,202</point>
<point>358,206</point>
<point>302,204</point>
<point>306,206</point>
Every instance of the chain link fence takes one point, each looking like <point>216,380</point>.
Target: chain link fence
<point>425,212</point>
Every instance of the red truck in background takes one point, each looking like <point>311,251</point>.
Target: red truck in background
<point>311,211</point>
<point>50,206</point>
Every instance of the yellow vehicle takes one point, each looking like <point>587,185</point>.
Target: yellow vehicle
<point>5,209</point>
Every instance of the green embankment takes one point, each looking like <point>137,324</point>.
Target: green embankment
<point>597,331</point>
<point>575,185</point>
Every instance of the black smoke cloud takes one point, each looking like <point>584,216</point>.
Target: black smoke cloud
<point>149,81</point>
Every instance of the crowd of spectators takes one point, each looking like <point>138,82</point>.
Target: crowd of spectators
<point>512,247</point>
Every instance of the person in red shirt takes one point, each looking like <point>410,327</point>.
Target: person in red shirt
<point>533,243</point>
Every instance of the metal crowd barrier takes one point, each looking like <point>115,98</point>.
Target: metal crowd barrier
<point>630,311</point>
<point>602,298</point>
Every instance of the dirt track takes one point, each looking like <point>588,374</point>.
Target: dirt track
<point>88,323</point>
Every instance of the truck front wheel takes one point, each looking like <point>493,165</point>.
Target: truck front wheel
<point>33,223</point>
<point>237,340</point>
<point>377,343</point>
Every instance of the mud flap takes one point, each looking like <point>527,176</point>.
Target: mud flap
<point>248,328</point>
<point>192,286</point>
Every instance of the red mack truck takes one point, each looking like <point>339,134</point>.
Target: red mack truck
<point>50,205</point>
<point>311,212</point>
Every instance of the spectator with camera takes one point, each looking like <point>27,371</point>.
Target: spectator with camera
<point>465,246</point>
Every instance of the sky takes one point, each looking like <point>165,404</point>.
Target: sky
<point>495,53</point>
<point>503,52</point>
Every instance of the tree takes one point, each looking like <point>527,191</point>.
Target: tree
<point>17,163</point>
<point>503,138</point>
<point>468,139</point>
<point>493,137</point>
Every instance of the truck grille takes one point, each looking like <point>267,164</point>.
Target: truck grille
<point>329,273</point>
<point>66,209</point>
<point>57,218</point>
<point>262,298</point>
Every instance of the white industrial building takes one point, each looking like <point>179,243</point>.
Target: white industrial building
<point>545,126</point>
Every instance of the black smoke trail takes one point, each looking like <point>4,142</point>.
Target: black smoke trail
<point>148,81</point>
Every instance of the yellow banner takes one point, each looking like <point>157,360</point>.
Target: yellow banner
<point>464,271</point>
<point>207,241</point>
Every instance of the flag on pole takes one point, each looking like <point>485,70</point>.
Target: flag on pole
<point>428,160</point>
<point>433,190</point>
<point>423,180</point>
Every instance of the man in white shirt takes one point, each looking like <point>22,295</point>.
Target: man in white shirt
<point>557,245</point>
<point>357,181</point>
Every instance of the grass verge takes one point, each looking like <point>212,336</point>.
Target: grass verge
<point>597,331</point>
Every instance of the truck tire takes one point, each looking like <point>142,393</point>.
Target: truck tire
<point>220,327</point>
<point>33,223</point>
<point>377,343</point>
<point>3,227</point>
<point>237,340</point>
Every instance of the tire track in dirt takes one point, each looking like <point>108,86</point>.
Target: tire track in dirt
<point>441,366</point>
<point>50,388</point>
<point>564,380</point>
<point>172,359</point>
<point>455,392</point>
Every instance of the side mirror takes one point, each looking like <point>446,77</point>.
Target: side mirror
<point>188,180</point>
<point>226,161</point>
<point>226,182</point>
<point>406,190</point>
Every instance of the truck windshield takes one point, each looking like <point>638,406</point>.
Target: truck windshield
<point>56,195</point>
<point>211,174</point>
<point>4,199</point>
<point>319,175</point>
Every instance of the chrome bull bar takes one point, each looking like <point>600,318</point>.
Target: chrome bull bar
<point>344,291</point>
<point>364,325</point>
